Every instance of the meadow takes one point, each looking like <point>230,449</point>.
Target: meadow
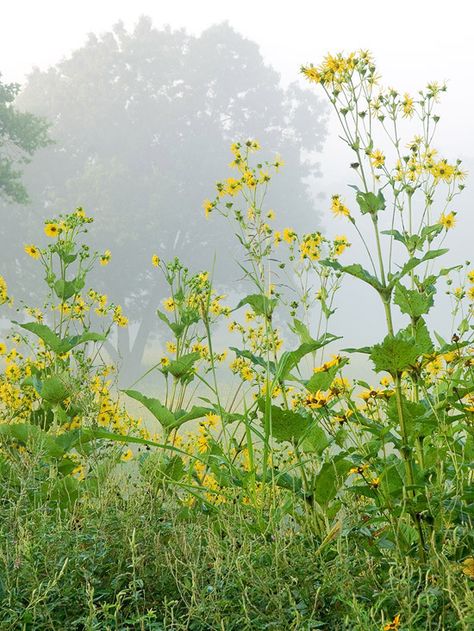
<point>295,498</point>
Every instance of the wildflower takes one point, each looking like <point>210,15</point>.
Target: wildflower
<point>165,361</point>
<point>393,626</point>
<point>470,276</point>
<point>407,106</point>
<point>278,163</point>
<point>277,238</point>
<point>271,215</point>
<point>103,419</point>
<point>212,420</point>
<point>289,235</point>
<point>155,260</point>
<point>128,455</point>
<point>340,244</point>
<point>468,567</point>
<point>470,294</point>
<point>3,348</point>
<point>169,304</point>
<point>338,208</point>
<point>171,347</point>
<point>311,73</point>
<point>105,257</point>
<point>361,469</point>
<point>52,230</point>
<point>32,251</point>
<point>377,158</point>
<point>208,207</point>
<point>448,221</point>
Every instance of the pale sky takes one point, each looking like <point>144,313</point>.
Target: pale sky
<point>413,41</point>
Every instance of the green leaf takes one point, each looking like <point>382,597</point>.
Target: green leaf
<point>291,359</point>
<point>355,270</point>
<point>54,342</point>
<point>412,302</point>
<point>195,412</point>
<point>261,305</point>
<point>413,263</point>
<point>65,289</point>
<point>301,330</point>
<point>183,366</point>
<point>159,411</point>
<point>26,434</point>
<point>257,361</point>
<point>370,203</point>
<point>289,426</point>
<point>322,380</point>
<point>398,352</point>
<point>330,479</point>
<point>174,326</point>
<point>55,389</point>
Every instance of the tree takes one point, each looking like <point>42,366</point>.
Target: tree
<point>21,134</point>
<point>142,123</point>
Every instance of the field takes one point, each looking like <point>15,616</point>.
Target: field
<point>254,485</point>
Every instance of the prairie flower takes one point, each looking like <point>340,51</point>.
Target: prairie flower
<point>127,455</point>
<point>448,221</point>
<point>407,106</point>
<point>3,348</point>
<point>338,208</point>
<point>32,251</point>
<point>155,260</point>
<point>289,235</point>
<point>208,207</point>
<point>52,230</point>
<point>394,625</point>
<point>105,257</point>
<point>169,304</point>
<point>468,567</point>
<point>377,158</point>
<point>171,347</point>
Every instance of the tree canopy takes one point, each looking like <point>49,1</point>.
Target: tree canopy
<point>142,122</point>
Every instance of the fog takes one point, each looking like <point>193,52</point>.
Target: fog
<point>143,111</point>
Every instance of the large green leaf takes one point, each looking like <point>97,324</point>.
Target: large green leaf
<point>183,367</point>
<point>357,271</point>
<point>176,327</point>
<point>261,305</point>
<point>400,351</point>
<point>291,359</point>
<point>413,263</point>
<point>159,411</point>
<point>289,426</point>
<point>369,202</point>
<point>55,389</point>
<point>330,479</point>
<point>413,302</point>
<point>57,344</point>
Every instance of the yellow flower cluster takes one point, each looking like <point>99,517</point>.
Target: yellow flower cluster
<point>338,69</point>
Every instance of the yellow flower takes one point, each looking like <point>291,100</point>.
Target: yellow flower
<point>338,208</point>
<point>377,159</point>
<point>311,73</point>
<point>468,567</point>
<point>52,230</point>
<point>289,235</point>
<point>32,251</point>
<point>208,207</point>
<point>3,348</point>
<point>448,221</point>
<point>169,304</point>
<point>105,257</point>
<point>155,260</point>
<point>340,244</point>
<point>212,420</point>
<point>407,106</point>
<point>165,361</point>
<point>470,276</point>
<point>271,215</point>
<point>393,626</point>
<point>171,347</point>
<point>128,455</point>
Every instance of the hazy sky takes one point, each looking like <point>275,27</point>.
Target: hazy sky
<point>414,41</point>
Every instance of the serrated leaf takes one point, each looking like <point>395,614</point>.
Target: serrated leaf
<point>412,302</point>
<point>398,352</point>
<point>369,202</point>
<point>355,270</point>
